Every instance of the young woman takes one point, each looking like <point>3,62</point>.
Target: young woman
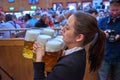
<point>81,29</point>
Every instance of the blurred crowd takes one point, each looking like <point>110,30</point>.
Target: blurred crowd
<point>48,17</point>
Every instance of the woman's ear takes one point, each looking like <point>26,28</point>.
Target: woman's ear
<point>80,37</point>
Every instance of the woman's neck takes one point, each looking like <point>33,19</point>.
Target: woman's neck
<point>70,46</point>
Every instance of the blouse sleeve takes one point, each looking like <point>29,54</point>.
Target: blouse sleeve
<point>39,70</point>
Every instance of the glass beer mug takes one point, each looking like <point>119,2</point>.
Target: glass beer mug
<point>30,38</point>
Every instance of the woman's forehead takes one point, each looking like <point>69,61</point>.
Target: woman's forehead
<point>71,19</point>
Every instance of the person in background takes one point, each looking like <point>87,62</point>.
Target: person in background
<point>102,6</point>
<point>2,15</point>
<point>29,21</point>
<point>80,7</point>
<point>93,12</point>
<point>50,22</point>
<point>111,26</point>
<point>18,21</point>
<point>96,6</point>
<point>68,13</point>
<point>55,18</point>
<point>81,29</point>
<point>9,24</point>
<point>61,19</point>
<point>43,22</point>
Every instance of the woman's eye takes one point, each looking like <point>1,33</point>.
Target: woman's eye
<point>66,27</point>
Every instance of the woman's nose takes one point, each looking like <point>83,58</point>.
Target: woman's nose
<point>63,29</point>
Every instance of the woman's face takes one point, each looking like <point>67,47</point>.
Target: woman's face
<point>68,31</point>
<point>47,20</point>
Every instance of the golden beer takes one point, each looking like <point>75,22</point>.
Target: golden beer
<point>28,49</point>
<point>50,60</point>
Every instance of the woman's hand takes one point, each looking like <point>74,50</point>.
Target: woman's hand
<point>39,50</point>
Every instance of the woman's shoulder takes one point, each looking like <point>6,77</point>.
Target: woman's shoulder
<point>74,57</point>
